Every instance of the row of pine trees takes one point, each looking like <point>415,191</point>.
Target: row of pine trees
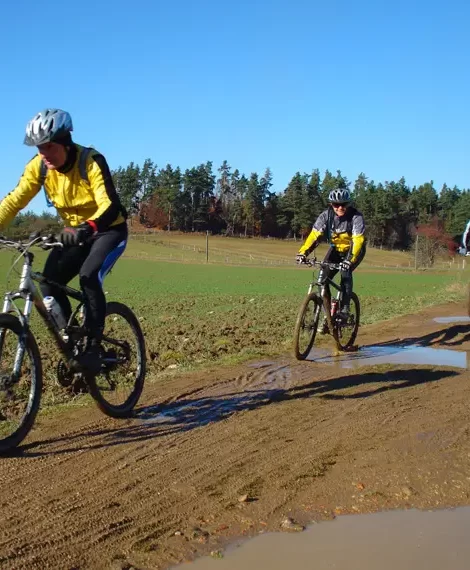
<point>229,202</point>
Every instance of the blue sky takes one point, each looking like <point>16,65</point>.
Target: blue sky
<point>379,86</point>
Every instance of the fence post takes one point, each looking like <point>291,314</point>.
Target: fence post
<point>416,253</point>
<point>207,246</point>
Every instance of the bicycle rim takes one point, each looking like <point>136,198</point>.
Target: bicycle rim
<point>117,388</point>
<point>19,396</point>
<point>306,326</point>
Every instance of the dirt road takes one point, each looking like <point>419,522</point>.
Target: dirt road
<point>232,452</point>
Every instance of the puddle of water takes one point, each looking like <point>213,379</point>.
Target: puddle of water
<point>393,354</point>
<point>449,320</point>
<point>405,540</point>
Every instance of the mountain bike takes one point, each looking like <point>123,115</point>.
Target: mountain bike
<point>117,386</point>
<point>319,310</point>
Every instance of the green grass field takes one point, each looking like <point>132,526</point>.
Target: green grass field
<point>196,313</point>
<point>192,248</point>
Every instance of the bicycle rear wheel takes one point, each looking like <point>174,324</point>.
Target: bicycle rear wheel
<point>119,384</point>
<point>345,333</point>
<point>306,325</point>
<point>20,394</point>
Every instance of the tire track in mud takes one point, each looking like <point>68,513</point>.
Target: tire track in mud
<point>59,502</point>
<point>261,384</point>
<point>80,497</point>
<point>131,480</point>
<point>267,379</point>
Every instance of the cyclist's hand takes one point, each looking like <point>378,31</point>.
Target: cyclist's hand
<point>345,266</point>
<point>76,236</point>
<point>300,258</point>
<point>462,250</point>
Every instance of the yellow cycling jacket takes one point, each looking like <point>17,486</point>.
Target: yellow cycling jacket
<point>76,199</point>
<point>345,233</point>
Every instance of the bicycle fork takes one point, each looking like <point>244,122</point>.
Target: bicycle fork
<point>21,347</point>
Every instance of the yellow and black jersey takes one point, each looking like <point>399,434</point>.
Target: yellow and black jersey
<point>345,233</point>
<point>77,197</point>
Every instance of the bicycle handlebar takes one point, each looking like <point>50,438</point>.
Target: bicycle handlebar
<point>44,242</point>
<point>313,262</point>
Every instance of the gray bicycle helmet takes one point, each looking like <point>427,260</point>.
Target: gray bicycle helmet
<point>339,196</point>
<point>48,126</point>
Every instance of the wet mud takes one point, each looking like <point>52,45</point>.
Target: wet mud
<point>221,455</point>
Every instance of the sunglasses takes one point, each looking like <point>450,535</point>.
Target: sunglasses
<point>336,205</point>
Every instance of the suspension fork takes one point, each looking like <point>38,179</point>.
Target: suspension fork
<point>21,349</point>
<point>6,309</point>
<point>25,293</point>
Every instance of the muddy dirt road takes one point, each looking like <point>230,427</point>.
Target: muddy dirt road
<point>232,452</point>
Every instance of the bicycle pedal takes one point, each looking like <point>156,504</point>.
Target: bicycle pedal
<point>78,385</point>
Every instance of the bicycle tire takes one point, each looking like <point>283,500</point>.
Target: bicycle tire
<point>300,325</point>
<point>347,342</point>
<point>97,392</point>
<point>11,323</point>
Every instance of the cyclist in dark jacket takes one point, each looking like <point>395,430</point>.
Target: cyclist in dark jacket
<point>343,227</point>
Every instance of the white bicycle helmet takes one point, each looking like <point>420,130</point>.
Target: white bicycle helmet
<point>47,126</point>
<point>339,196</point>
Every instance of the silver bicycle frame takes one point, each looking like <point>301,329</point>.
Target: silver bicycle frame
<point>29,292</point>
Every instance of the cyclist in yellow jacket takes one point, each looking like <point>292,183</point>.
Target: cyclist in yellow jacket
<point>343,227</point>
<point>77,181</point>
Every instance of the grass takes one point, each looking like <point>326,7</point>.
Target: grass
<point>192,248</point>
<point>198,314</point>
<point>195,314</point>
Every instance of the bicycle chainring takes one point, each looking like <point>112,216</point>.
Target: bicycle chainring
<point>65,376</point>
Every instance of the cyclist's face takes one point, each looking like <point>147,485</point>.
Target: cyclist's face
<point>340,209</point>
<point>53,154</point>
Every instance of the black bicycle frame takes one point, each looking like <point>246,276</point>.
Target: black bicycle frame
<point>323,282</point>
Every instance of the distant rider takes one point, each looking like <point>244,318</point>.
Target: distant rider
<point>342,226</point>
<point>465,244</point>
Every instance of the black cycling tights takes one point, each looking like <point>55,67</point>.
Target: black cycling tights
<point>91,262</point>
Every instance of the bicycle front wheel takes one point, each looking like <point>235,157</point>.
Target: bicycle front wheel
<point>345,333</point>
<point>20,381</point>
<point>306,325</point>
<point>119,384</point>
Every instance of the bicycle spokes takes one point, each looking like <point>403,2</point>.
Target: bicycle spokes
<point>119,384</point>
<point>345,329</point>
<point>18,388</point>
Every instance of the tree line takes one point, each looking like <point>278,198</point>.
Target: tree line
<point>231,203</point>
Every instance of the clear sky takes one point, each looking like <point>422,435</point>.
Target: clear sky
<point>379,86</point>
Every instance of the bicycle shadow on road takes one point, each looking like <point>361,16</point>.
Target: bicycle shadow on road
<point>454,335</point>
<point>166,419</point>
